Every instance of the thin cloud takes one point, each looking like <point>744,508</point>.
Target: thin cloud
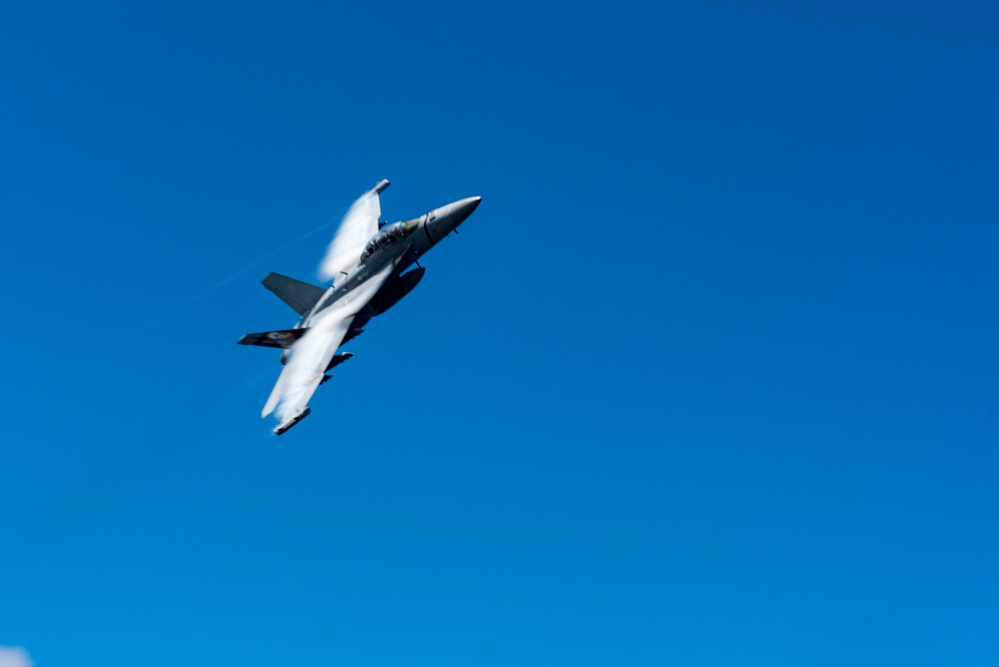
<point>14,656</point>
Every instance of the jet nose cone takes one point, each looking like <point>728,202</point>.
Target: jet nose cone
<point>460,210</point>
<point>446,219</point>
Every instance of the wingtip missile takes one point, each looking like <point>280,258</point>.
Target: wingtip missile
<point>382,184</point>
<point>284,426</point>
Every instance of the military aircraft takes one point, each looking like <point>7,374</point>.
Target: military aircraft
<point>367,262</point>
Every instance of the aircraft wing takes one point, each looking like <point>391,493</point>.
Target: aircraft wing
<point>358,226</point>
<point>309,356</point>
<point>304,369</point>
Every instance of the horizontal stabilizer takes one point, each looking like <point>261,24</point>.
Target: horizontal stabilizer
<point>297,294</point>
<point>282,339</point>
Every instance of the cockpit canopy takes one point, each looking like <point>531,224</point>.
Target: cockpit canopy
<point>388,235</point>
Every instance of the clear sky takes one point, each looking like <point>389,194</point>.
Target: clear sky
<point>710,377</point>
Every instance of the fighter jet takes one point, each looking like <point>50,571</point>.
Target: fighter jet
<point>367,264</point>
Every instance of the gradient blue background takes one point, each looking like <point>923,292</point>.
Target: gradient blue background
<point>710,378</point>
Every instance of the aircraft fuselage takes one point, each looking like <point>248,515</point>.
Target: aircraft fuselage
<point>424,233</point>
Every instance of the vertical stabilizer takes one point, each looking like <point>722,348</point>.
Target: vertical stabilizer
<point>300,296</point>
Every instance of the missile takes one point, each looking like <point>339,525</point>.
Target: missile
<point>291,422</point>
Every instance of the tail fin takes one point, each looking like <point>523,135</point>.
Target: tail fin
<point>300,296</point>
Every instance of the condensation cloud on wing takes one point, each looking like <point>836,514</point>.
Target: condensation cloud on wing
<point>312,353</point>
<point>359,224</point>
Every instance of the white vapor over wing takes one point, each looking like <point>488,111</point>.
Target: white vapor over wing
<point>306,363</point>
<point>14,656</point>
<point>359,224</point>
<point>309,356</point>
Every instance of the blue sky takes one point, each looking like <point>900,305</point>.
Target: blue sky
<point>709,378</point>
